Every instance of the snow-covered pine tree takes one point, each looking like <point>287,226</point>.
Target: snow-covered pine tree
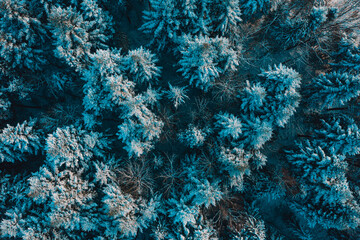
<point>230,126</point>
<point>21,35</point>
<point>73,147</point>
<point>71,199</point>
<point>228,17</point>
<point>105,86</point>
<point>140,126</point>
<point>76,34</point>
<point>162,21</point>
<point>203,59</point>
<point>236,163</point>
<point>140,63</point>
<point>328,199</point>
<point>202,193</point>
<point>347,56</point>
<point>254,229</point>
<point>255,132</point>
<point>339,135</point>
<point>176,94</point>
<point>248,131</point>
<point>333,90</point>
<point>17,141</point>
<point>282,86</point>
<point>126,216</point>
<point>197,17</point>
<point>253,98</point>
<point>254,8</point>
<point>193,136</point>
<point>318,16</point>
<point>183,214</point>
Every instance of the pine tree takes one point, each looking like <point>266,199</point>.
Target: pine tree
<point>340,136</point>
<point>236,163</point>
<point>73,147</point>
<point>229,125</point>
<point>197,17</point>
<point>328,200</point>
<point>254,230</point>
<point>318,16</point>
<point>290,31</point>
<point>255,132</point>
<point>70,196</point>
<point>21,35</point>
<point>105,86</point>
<point>282,87</point>
<point>203,59</point>
<point>193,137</point>
<point>152,96</point>
<point>229,17</point>
<point>162,22</point>
<point>253,97</point>
<point>254,8</point>
<point>176,94</point>
<point>140,126</point>
<point>333,89</point>
<point>126,215</point>
<point>76,34</point>
<point>5,105</point>
<point>17,141</point>
<point>141,65</point>
<point>347,56</point>
<point>202,193</point>
<point>182,214</point>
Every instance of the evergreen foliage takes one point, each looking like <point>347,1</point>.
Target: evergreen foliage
<point>77,34</point>
<point>254,8</point>
<point>333,90</point>
<point>193,137</point>
<point>18,141</point>
<point>204,59</point>
<point>340,136</point>
<point>329,200</point>
<point>282,84</point>
<point>179,119</point>
<point>347,56</point>
<point>22,35</point>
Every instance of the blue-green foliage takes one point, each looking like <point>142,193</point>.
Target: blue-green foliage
<point>22,35</point>
<point>256,132</point>
<point>196,14</point>
<point>167,20</point>
<point>333,89</point>
<point>340,136</point>
<point>282,86</point>
<point>193,137</point>
<point>74,147</point>
<point>254,8</point>
<point>229,126</point>
<point>253,97</point>
<point>274,97</point>
<point>203,59</point>
<point>16,142</point>
<point>229,17</point>
<point>295,30</point>
<point>77,33</point>
<point>328,199</point>
<point>318,16</point>
<point>154,155</point>
<point>290,32</point>
<point>162,21</point>
<point>347,57</point>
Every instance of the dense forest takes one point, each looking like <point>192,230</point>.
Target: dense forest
<point>180,119</point>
